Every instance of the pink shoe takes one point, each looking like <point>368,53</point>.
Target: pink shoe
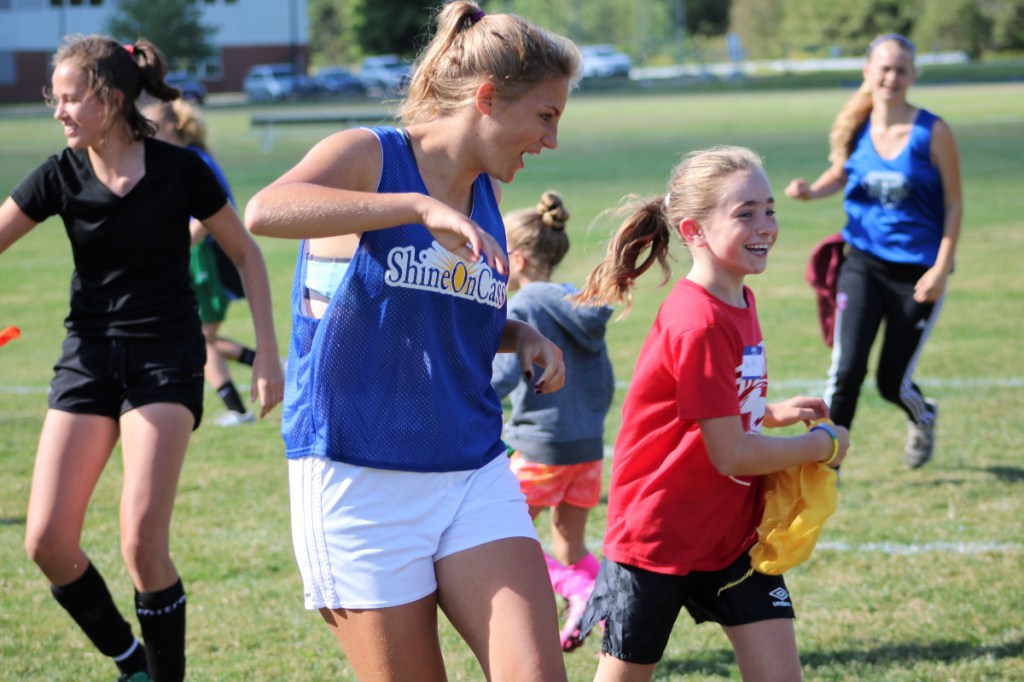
<point>557,572</point>
<point>569,637</point>
<point>577,580</point>
<point>578,583</point>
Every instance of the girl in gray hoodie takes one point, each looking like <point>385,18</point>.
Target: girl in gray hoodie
<point>558,438</point>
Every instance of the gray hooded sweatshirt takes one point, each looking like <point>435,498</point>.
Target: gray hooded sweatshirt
<point>567,426</point>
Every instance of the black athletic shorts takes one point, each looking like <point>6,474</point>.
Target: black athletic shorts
<point>109,376</point>
<point>639,608</point>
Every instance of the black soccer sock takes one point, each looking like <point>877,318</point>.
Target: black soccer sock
<point>229,394</point>
<point>162,617</point>
<point>89,603</point>
<point>246,356</point>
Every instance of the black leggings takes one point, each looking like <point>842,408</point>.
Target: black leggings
<point>870,291</point>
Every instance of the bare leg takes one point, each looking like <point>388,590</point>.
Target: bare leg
<point>154,439</point>
<point>766,651</point>
<point>498,596</point>
<point>216,370</point>
<point>397,643</point>
<point>73,449</point>
<point>228,348</point>
<point>611,669</point>
<point>568,526</point>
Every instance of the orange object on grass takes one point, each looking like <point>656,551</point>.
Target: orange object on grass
<point>9,334</point>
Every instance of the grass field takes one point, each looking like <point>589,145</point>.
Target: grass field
<point>918,575</point>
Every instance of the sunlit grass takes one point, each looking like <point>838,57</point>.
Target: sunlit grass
<point>919,573</point>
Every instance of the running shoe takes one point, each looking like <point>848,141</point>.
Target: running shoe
<point>921,439</point>
<point>570,635</point>
<point>233,418</point>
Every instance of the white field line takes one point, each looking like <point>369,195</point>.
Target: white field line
<point>901,549</point>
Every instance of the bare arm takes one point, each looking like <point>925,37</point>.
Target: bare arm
<point>332,192</point>
<point>946,158</point>
<point>197,233</point>
<point>533,348</point>
<point>14,224</point>
<point>734,452</point>
<point>241,248</point>
<point>827,184</point>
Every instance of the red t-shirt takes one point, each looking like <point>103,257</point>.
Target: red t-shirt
<point>669,510</point>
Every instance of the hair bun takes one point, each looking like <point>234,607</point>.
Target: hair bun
<point>553,213</point>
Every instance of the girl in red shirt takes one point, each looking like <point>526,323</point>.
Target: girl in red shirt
<point>685,497</point>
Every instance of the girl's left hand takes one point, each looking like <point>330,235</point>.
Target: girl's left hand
<point>267,382</point>
<point>929,288</point>
<point>801,408</point>
<point>533,348</point>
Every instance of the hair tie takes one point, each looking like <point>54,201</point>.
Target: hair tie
<point>129,48</point>
<point>477,16</point>
<point>666,204</point>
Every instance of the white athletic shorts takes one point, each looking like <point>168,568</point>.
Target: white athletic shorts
<point>368,538</point>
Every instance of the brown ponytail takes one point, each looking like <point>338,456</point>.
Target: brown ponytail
<point>645,236</point>
<point>849,122</point>
<point>642,240</point>
<point>110,66</point>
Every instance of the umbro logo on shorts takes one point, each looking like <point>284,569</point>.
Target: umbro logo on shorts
<point>780,596</point>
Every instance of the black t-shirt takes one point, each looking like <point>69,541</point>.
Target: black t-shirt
<point>131,253</point>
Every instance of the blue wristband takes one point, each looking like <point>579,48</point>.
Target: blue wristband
<point>835,440</point>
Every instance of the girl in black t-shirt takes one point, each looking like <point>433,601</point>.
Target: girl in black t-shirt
<point>132,361</point>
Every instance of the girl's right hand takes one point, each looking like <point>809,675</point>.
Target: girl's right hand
<point>460,235</point>
<point>798,189</point>
<point>267,382</point>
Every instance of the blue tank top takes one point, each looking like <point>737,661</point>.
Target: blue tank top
<point>895,207</point>
<point>397,373</point>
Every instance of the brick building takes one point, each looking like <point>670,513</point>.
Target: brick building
<point>247,32</point>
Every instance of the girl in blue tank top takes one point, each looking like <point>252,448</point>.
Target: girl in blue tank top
<point>402,498</point>
<point>899,170</point>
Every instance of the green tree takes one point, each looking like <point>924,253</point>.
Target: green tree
<point>849,26</point>
<point>635,26</point>
<point>399,26</point>
<point>172,25</point>
<point>707,17</point>
<point>638,26</point>
<point>953,25</point>
<point>757,23</point>
<point>332,37</point>
<point>1008,25</point>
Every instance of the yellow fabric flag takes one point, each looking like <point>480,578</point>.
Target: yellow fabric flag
<point>797,501</point>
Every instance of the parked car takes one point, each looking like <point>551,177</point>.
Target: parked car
<point>271,82</point>
<point>337,80</point>
<point>604,61</point>
<point>384,72</point>
<point>307,86</point>
<point>191,89</point>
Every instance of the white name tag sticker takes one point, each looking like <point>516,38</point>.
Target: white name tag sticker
<point>753,362</point>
